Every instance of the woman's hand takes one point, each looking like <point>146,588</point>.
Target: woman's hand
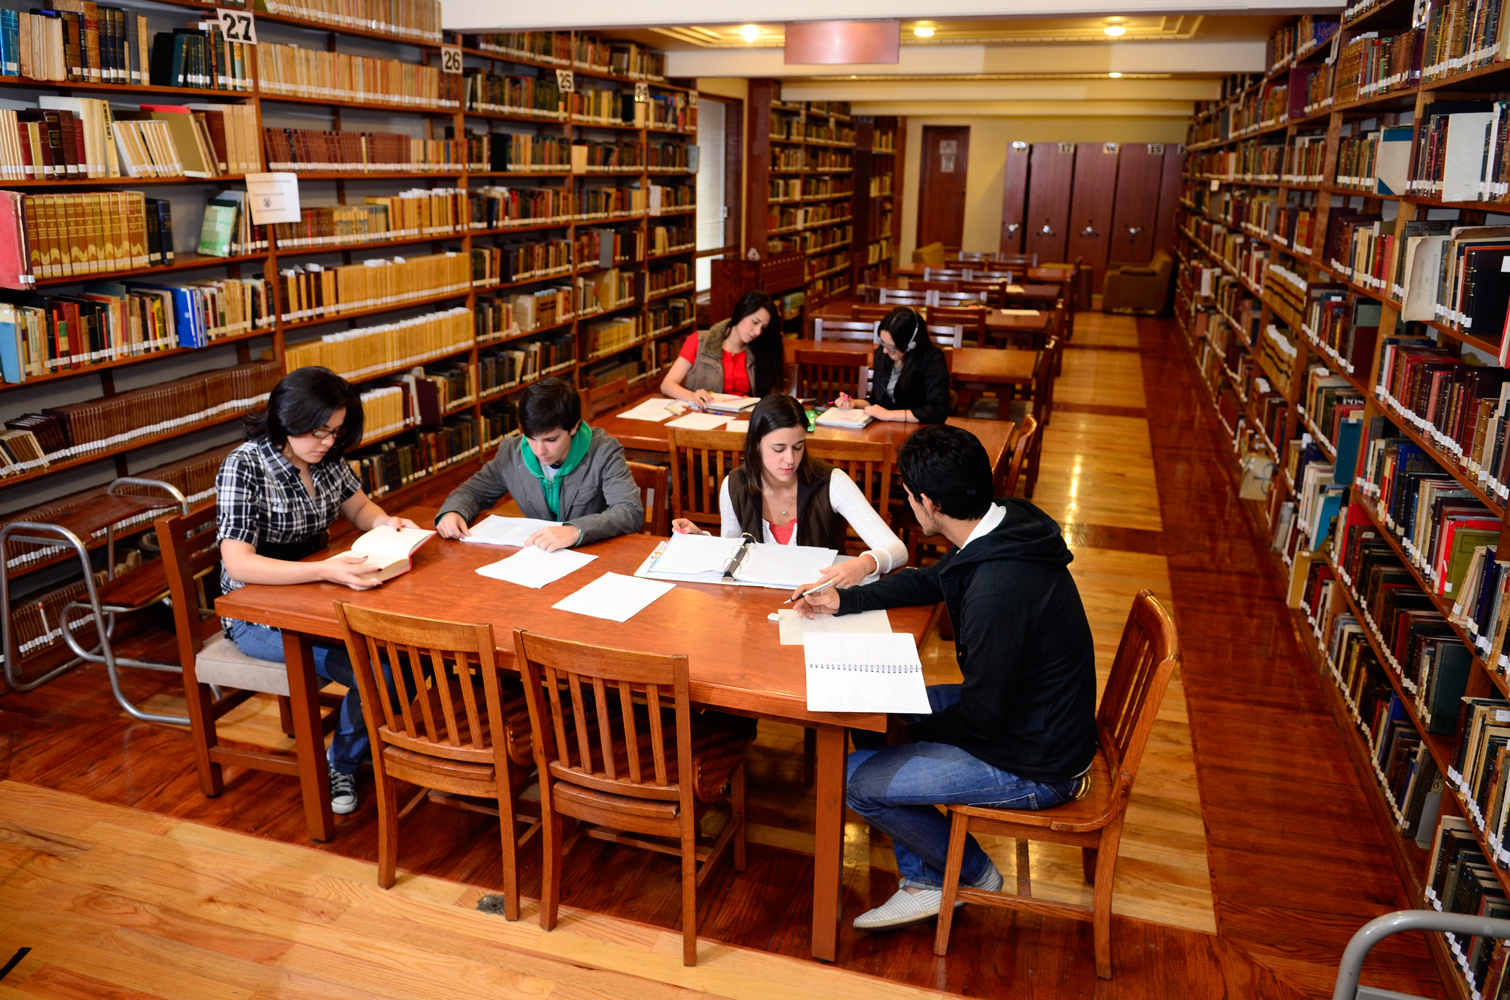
<point>452,525</point>
<point>848,573</point>
<point>558,536</point>
<point>389,521</point>
<point>682,526</point>
<point>701,398</point>
<point>856,404</point>
<point>882,413</point>
<point>351,571</point>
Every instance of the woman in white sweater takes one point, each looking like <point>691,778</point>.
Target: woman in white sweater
<point>795,499</point>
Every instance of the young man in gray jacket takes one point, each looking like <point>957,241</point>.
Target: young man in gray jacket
<point>560,470</point>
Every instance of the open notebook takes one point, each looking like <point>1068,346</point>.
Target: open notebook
<point>864,673</point>
<point>710,559</point>
<point>390,548</point>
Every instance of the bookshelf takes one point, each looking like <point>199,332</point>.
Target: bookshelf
<point>573,259</point>
<point>879,158</point>
<point>1292,296</point>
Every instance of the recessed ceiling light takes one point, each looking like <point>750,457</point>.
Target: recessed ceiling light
<point>1115,75</point>
<point>750,31</point>
<point>923,31</point>
<point>1115,30</point>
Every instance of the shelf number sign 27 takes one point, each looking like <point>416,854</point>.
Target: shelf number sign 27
<point>450,59</point>
<point>238,26</point>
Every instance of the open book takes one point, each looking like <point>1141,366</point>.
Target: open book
<point>710,559</point>
<point>723,402</point>
<point>835,417</point>
<point>389,548</point>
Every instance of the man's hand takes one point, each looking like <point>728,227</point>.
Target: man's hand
<point>824,603</point>
<point>351,571</point>
<point>558,537</point>
<point>453,525</point>
<point>682,526</point>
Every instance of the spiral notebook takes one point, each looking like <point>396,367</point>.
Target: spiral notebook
<point>878,672</point>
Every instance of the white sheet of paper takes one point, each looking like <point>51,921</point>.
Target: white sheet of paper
<point>536,568</point>
<point>784,565</point>
<point>700,421</point>
<point>273,197</point>
<point>615,597</point>
<point>1019,312</point>
<point>794,626</point>
<point>689,555</point>
<point>864,673</point>
<point>495,530</point>
<point>650,409</point>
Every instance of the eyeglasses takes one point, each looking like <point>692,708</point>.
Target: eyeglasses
<point>324,433</point>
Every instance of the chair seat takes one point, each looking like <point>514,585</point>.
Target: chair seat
<point>1083,815</point>
<point>1018,409</point>
<point>516,730</point>
<point>222,664</point>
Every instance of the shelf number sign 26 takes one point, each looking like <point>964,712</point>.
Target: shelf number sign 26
<point>238,26</point>
<point>450,59</point>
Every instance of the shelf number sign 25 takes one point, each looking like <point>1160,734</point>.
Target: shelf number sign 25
<point>450,59</point>
<point>238,26</point>
<point>565,81</point>
<point>641,92</point>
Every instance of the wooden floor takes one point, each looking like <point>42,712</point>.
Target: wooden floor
<point>1251,855</point>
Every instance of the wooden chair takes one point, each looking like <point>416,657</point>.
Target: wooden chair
<point>440,737</point>
<point>845,329</point>
<point>945,274</point>
<point>1027,433</point>
<point>1146,658</point>
<point>903,297</point>
<point>1040,405</point>
<point>947,336</point>
<point>824,375</point>
<point>990,292</point>
<point>655,494</point>
<point>211,661</point>
<point>958,300</point>
<point>871,313</point>
<point>995,275</point>
<point>699,462</point>
<point>971,318</point>
<point>868,463</point>
<point>604,398</point>
<point>919,285</point>
<point>605,759</point>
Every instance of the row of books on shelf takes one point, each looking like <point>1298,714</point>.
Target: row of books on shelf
<point>291,71</point>
<point>1300,39</point>
<point>556,48</point>
<point>113,320</point>
<point>398,462</point>
<point>370,350</point>
<point>1461,151</point>
<point>1345,328</point>
<point>82,137</point>
<point>797,188</point>
<point>415,19</point>
<point>1461,879</point>
<point>507,368</point>
<point>408,214</point>
<point>1374,63</point>
<point>346,151</point>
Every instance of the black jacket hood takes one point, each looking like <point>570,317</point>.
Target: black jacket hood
<point>1025,534</point>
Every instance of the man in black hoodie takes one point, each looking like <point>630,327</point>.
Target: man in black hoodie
<point>1020,732</point>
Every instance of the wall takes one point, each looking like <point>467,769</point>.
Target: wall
<point>989,141</point>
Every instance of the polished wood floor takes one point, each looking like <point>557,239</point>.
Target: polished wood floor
<point>1253,855</point>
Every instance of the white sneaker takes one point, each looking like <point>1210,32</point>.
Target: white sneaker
<point>905,907</point>
<point>343,793</point>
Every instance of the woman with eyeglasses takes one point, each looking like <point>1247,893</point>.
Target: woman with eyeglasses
<point>911,377</point>
<point>278,495</point>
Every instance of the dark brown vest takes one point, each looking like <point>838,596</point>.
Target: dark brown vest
<point>818,524</point>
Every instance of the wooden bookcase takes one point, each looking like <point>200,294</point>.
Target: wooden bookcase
<point>880,153</point>
<point>587,66</point>
<point>1290,107</point>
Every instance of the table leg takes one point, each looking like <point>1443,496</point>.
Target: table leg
<point>309,736</point>
<point>828,849</point>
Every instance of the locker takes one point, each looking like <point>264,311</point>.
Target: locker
<point>1091,200</point>
<point>1014,198</point>
<point>1051,171</point>
<point>1169,197</point>
<point>1135,218</point>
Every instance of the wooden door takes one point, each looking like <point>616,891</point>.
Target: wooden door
<point>1169,197</point>
<point>1014,198</point>
<point>941,189</point>
<point>1135,217</point>
<point>1091,201</point>
<point>1052,168</point>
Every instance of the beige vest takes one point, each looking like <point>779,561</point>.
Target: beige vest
<point>708,370</point>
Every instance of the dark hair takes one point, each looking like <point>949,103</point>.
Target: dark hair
<point>910,332</point>
<point>301,402</point>
<point>766,348</point>
<point>775,412</point>
<point>547,405</point>
<point>950,465</point>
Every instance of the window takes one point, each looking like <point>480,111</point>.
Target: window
<point>719,123</point>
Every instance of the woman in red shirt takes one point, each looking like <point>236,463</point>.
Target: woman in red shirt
<point>737,356</point>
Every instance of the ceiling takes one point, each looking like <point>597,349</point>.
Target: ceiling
<point>999,31</point>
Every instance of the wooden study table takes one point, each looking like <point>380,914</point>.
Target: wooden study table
<point>1054,275</point>
<point>1033,327</point>
<point>734,654</point>
<point>979,367</point>
<point>1016,295</point>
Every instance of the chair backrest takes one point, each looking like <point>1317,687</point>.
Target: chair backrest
<point>959,299</point>
<point>903,297</point>
<point>869,463</point>
<point>823,375</point>
<point>603,398</point>
<point>871,313</point>
<point>868,293</point>
<point>189,550</point>
<point>1043,379</point>
<point>947,336</point>
<point>1020,446</point>
<point>655,494</point>
<point>1146,659</point>
<point>699,462</point>
<point>431,708</point>
<point>971,318</point>
<point>919,285</point>
<point>945,274</point>
<point>1017,259</point>
<point>588,729</point>
<point>846,329</point>
<point>974,256</point>
<point>995,276</point>
<point>990,292</point>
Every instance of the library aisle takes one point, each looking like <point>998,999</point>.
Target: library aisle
<point>1251,854</point>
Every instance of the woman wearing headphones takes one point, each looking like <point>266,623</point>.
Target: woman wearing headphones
<point>911,378</point>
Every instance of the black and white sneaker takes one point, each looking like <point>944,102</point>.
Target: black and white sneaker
<point>343,792</point>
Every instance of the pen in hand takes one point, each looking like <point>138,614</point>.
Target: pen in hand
<point>815,590</point>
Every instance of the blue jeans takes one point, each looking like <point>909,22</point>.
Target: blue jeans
<point>896,789</point>
<point>349,747</point>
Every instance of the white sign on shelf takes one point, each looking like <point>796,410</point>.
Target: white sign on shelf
<point>238,26</point>
<point>566,81</point>
<point>450,59</point>
<point>273,197</point>
<point>641,92</point>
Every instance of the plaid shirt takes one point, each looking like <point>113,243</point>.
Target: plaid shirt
<point>263,501</point>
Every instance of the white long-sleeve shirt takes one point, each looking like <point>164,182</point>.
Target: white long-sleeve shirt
<point>845,497</point>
